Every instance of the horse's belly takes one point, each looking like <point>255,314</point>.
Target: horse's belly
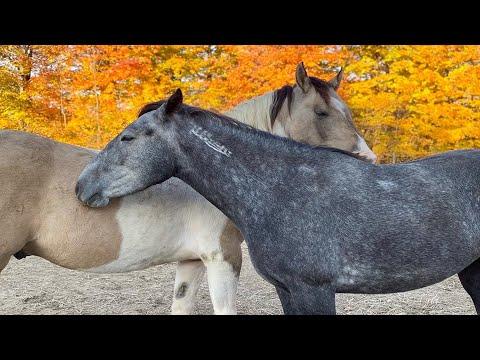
<point>98,250</point>
<point>422,250</point>
<point>143,256</point>
<point>361,280</point>
<point>76,251</point>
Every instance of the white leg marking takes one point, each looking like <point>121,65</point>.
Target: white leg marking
<point>222,283</point>
<point>187,280</point>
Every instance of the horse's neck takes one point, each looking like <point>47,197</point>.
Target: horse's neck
<point>254,112</point>
<point>236,169</point>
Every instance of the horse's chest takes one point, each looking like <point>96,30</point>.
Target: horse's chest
<point>147,240</point>
<point>165,224</point>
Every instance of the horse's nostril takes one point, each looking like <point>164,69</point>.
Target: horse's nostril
<point>93,198</point>
<point>77,188</point>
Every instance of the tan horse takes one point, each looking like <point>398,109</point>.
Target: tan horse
<point>41,216</point>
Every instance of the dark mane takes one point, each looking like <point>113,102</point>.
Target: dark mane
<point>150,107</point>
<point>286,92</point>
<point>279,97</point>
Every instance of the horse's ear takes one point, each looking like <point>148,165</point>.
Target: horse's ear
<point>302,78</point>
<point>335,81</point>
<point>174,101</point>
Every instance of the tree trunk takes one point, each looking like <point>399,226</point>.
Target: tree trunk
<point>97,98</point>
<point>25,65</point>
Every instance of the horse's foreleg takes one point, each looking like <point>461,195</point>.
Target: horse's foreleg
<point>285,299</point>
<point>470,279</point>
<point>187,281</point>
<point>222,283</point>
<point>308,299</point>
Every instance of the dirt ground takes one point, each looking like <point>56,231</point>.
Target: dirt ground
<point>35,286</point>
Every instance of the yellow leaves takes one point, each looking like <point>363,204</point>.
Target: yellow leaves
<point>433,87</point>
<point>410,100</point>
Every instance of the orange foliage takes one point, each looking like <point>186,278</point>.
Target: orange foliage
<point>410,101</point>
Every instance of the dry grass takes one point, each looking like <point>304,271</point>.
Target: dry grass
<point>34,286</point>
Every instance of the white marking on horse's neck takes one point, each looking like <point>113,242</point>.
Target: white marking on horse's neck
<point>206,137</point>
<point>254,112</point>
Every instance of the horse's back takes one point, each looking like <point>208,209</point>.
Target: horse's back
<point>384,221</point>
<point>20,148</point>
<point>452,159</point>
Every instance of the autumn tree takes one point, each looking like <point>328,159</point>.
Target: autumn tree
<point>408,101</point>
<point>416,100</point>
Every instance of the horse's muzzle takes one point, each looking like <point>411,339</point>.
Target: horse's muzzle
<point>367,156</point>
<point>89,196</point>
<point>97,201</point>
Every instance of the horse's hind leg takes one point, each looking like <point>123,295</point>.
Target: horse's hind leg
<point>187,281</point>
<point>470,279</point>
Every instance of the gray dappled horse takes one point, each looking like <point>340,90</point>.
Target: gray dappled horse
<point>317,221</point>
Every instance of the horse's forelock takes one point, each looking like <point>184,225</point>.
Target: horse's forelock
<point>322,87</point>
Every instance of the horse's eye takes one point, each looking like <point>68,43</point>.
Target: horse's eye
<point>321,113</point>
<point>127,138</point>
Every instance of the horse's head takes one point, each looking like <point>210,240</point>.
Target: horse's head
<point>315,114</point>
<point>140,156</point>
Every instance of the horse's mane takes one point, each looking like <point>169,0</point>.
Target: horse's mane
<point>279,97</point>
<point>323,87</point>
<point>150,107</point>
